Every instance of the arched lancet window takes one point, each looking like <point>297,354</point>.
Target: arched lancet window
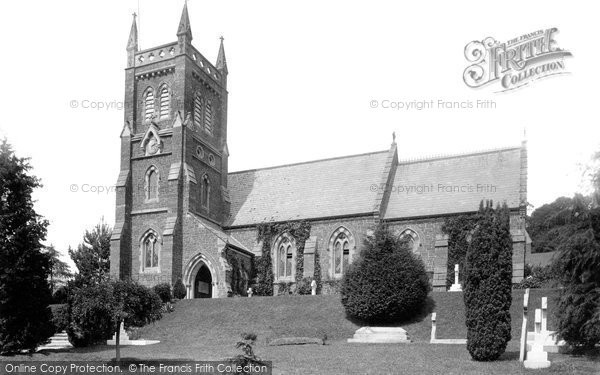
<point>165,102</point>
<point>208,116</point>
<point>150,250</point>
<point>341,246</point>
<point>284,250</point>
<point>148,104</point>
<point>205,192</point>
<point>152,184</point>
<point>412,239</point>
<point>198,110</point>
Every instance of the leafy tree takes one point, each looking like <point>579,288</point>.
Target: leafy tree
<point>387,283</point>
<point>551,225</point>
<point>25,296</point>
<point>488,284</point>
<point>179,290</point>
<point>92,256</point>
<point>61,271</point>
<point>578,263</point>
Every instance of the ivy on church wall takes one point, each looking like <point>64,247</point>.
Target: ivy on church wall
<point>458,229</point>
<point>267,233</point>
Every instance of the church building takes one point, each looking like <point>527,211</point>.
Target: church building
<point>180,213</point>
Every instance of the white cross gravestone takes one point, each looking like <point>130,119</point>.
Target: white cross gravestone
<point>249,291</point>
<point>523,349</point>
<point>313,288</point>
<point>456,287</point>
<point>537,357</point>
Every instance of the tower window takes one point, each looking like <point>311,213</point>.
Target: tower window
<point>208,117</point>
<point>198,109</point>
<point>149,105</point>
<point>165,102</point>
<point>150,250</point>
<point>152,180</point>
<point>205,192</point>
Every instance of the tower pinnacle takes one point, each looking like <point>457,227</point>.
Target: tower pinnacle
<point>132,43</point>
<point>221,61</point>
<point>185,29</point>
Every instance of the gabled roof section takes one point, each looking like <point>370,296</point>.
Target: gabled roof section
<point>455,184</point>
<point>324,188</point>
<point>217,232</point>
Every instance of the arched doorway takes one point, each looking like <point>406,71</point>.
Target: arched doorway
<point>203,283</point>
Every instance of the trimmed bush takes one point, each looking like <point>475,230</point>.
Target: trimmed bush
<point>141,305</point>
<point>303,286</point>
<point>179,290</point>
<point>163,291</point>
<point>488,284</point>
<point>387,284</point>
<point>60,317</point>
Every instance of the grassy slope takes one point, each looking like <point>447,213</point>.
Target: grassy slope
<point>224,319</point>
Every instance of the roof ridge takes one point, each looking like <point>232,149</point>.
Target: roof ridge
<point>308,162</point>
<point>455,155</point>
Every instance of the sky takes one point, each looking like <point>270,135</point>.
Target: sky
<point>307,80</point>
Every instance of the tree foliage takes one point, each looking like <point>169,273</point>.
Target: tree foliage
<point>25,295</point>
<point>387,283</point>
<point>488,284</point>
<point>92,256</point>
<point>61,271</point>
<point>578,266</point>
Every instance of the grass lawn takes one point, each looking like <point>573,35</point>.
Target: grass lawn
<point>208,330</point>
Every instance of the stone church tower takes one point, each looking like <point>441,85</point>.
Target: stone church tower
<point>181,215</point>
<point>172,196</point>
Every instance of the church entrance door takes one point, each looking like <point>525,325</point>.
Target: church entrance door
<point>203,283</point>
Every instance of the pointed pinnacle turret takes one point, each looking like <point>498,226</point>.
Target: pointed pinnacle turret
<point>132,43</point>
<point>185,29</point>
<point>221,60</point>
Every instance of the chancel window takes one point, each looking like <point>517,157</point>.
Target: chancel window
<point>341,249</point>
<point>412,239</point>
<point>149,105</point>
<point>285,256</point>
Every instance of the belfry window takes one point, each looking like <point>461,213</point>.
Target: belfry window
<point>198,109</point>
<point>165,102</point>
<point>208,117</point>
<point>149,105</point>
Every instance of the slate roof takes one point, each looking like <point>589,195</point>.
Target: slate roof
<point>322,188</point>
<point>479,173</point>
<point>349,186</point>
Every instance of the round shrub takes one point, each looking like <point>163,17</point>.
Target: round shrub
<point>60,317</point>
<point>141,305</point>
<point>488,285</point>
<point>387,284</point>
<point>179,290</point>
<point>163,291</point>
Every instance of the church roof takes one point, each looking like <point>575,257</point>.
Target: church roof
<point>349,186</point>
<point>455,184</point>
<point>316,189</point>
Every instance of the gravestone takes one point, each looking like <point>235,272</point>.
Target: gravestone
<point>313,288</point>
<point>537,357</point>
<point>551,342</point>
<point>381,335</point>
<point>434,340</point>
<point>523,348</point>
<point>456,287</point>
<point>250,292</point>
